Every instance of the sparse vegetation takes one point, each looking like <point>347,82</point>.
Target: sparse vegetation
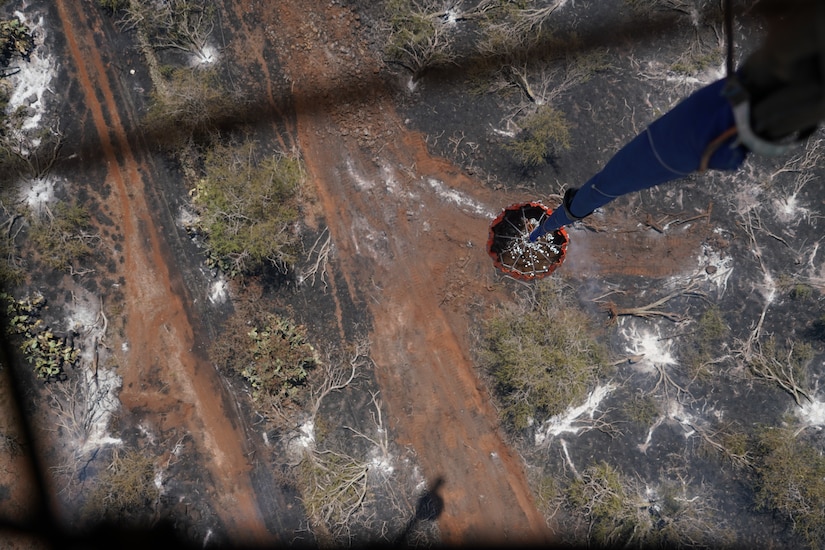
<point>247,201</point>
<point>543,355</point>
<point>335,489</point>
<point>791,481</point>
<point>543,132</point>
<point>48,353</point>
<point>63,236</point>
<point>184,25</point>
<point>610,511</point>
<point>125,492</point>
<point>785,366</point>
<point>703,346</point>
<point>642,408</point>
<point>271,353</point>
<point>188,103</point>
<point>601,497</point>
<point>418,38</point>
<point>11,263</point>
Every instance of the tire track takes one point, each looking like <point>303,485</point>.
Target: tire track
<point>163,373</point>
<point>435,401</point>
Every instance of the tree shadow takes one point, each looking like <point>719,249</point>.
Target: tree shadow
<point>429,508</point>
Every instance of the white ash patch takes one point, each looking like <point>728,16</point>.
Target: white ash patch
<point>361,182</point>
<point>811,413</point>
<point>32,81</point>
<point>207,55</point>
<point>790,211</point>
<point>677,412</point>
<point>704,78</point>
<point>37,192</point>
<point>390,181</point>
<point>673,410</point>
<point>649,344</point>
<point>506,133</point>
<point>301,440</point>
<point>84,312</point>
<point>186,218</point>
<point>367,240</point>
<point>100,390</point>
<point>146,431</point>
<point>747,197</point>
<point>574,419</point>
<point>380,463</point>
<point>219,291</point>
<point>715,268</point>
<point>767,288</point>
<point>451,16</point>
<point>464,202</point>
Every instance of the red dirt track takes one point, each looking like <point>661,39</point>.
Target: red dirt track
<point>402,247</point>
<point>163,377</point>
<point>405,247</point>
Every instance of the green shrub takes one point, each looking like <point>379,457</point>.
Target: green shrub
<point>62,235</point>
<point>791,481</point>
<point>702,346</point>
<point>642,408</point>
<point>599,494</point>
<point>543,355</point>
<point>270,352</point>
<point>543,133</point>
<point>48,353</point>
<point>616,512</point>
<point>15,39</point>
<point>125,492</point>
<point>802,292</point>
<point>416,37</point>
<point>189,102</point>
<point>248,206</point>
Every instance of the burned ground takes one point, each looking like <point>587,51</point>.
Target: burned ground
<point>403,183</point>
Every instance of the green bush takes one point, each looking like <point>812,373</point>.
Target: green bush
<point>189,102</point>
<point>62,235</point>
<point>543,133</point>
<point>600,495</point>
<point>15,39</point>
<point>613,511</point>
<point>702,345</point>
<point>125,492</point>
<point>270,352</point>
<point>48,353</point>
<point>248,206</point>
<point>791,481</point>
<point>642,408</point>
<point>543,355</point>
<point>416,37</point>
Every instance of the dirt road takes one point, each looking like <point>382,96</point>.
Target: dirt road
<point>409,232</point>
<point>167,381</point>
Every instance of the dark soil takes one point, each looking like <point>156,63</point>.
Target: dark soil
<point>406,184</point>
